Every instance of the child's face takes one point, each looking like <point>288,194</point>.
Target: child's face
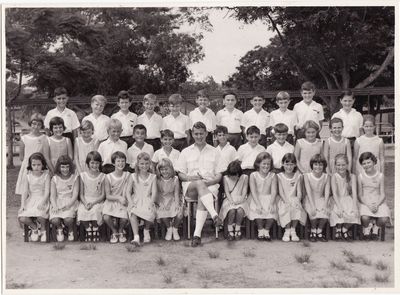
<point>282,103</point>
<point>307,95</point>
<point>281,137</point>
<point>203,102</point>
<point>61,101</point>
<point>139,135</point>
<point>119,164</point>
<point>167,141</point>
<point>88,133</point>
<point>58,130</point>
<point>347,102</point>
<point>124,104</point>
<point>318,168</point>
<point>368,165</point>
<point>311,134</point>
<point>149,105</point>
<point>222,138</point>
<point>144,165</point>
<point>36,125</point>
<point>97,107</point>
<point>94,165</point>
<point>341,166</point>
<point>257,102</point>
<point>64,170</point>
<point>337,129</point>
<point>265,166</point>
<point>114,133</point>
<point>369,128</point>
<point>36,165</point>
<point>289,167</point>
<point>253,138</point>
<point>175,109</point>
<point>230,101</point>
<point>165,172</point>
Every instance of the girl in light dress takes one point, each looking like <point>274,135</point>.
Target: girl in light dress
<point>369,142</point>
<point>64,193</point>
<point>336,144</point>
<point>84,144</point>
<point>290,209</point>
<point>344,209</point>
<point>34,210</point>
<point>170,205</point>
<point>234,206</point>
<point>33,142</point>
<point>58,144</point>
<point>142,198</point>
<point>92,195</point>
<point>307,147</point>
<point>263,189</point>
<point>115,212</point>
<point>317,184</point>
<point>374,211</point>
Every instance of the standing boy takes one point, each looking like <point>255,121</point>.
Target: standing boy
<point>126,117</point>
<point>257,116</point>
<point>166,151</point>
<point>139,134</point>
<point>177,122</point>
<point>226,152</point>
<point>280,146</point>
<point>151,120</point>
<point>98,119</point>
<point>248,152</point>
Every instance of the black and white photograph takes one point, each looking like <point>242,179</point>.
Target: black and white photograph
<point>199,147</point>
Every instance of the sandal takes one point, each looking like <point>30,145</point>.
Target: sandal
<point>231,236</point>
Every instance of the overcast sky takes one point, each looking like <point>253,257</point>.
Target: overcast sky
<point>226,44</point>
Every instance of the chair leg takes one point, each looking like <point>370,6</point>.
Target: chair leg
<point>307,229</point>
<point>301,231</point>
<point>247,222</point>
<point>156,230</point>
<point>185,228</point>
<point>252,224</point>
<point>354,231</point>
<point>226,228</point>
<point>274,229</point>
<point>26,233</point>
<point>383,233</point>
<point>189,217</point>
<point>279,234</point>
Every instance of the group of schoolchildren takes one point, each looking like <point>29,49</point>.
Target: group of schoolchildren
<point>275,168</point>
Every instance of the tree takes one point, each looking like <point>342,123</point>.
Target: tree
<point>336,47</point>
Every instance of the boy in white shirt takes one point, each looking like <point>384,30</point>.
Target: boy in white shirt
<point>231,118</point>
<point>352,120</point>
<point>307,109</point>
<point>227,153</point>
<point>98,119</point>
<point>70,118</point>
<point>204,114</point>
<point>283,115</point>
<point>177,122</point>
<point>248,152</point>
<point>257,116</point>
<point>151,120</point>
<point>280,146</point>
<point>126,117</point>
<point>139,133</point>
<point>112,145</point>
<point>166,151</point>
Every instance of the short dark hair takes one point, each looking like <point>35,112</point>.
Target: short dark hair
<point>289,158</point>
<point>281,128</point>
<point>64,160</point>
<point>367,156</point>
<point>221,129</point>
<point>175,99</point>
<point>116,155</point>
<point>167,133</point>
<point>234,168</point>
<point>123,94</point>
<point>199,125</point>
<point>202,93</point>
<point>346,92</point>
<point>335,120</point>
<point>93,156</point>
<point>60,90</point>
<point>139,127</point>
<point>318,158</point>
<point>253,130</point>
<point>56,121</point>
<point>37,156</point>
<point>261,157</point>
<point>229,92</point>
<point>308,85</point>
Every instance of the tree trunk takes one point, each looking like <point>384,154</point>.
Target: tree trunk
<point>9,140</point>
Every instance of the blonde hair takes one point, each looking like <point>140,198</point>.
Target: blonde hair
<point>114,123</point>
<point>165,163</point>
<point>150,96</point>
<point>99,98</point>
<point>142,156</point>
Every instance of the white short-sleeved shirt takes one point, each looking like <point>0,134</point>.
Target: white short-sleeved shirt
<point>208,118</point>
<point>227,154</point>
<point>247,155</point>
<point>70,118</point>
<point>134,151</point>
<point>161,154</point>
<point>231,120</point>
<point>260,119</point>
<point>153,124</point>
<point>100,125</point>
<point>178,125</point>
<point>288,117</point>
<point>277,152</point>
<point>352,122</point>
<point>306,112</point>
<point>108,147</point>
<point>128,122</point>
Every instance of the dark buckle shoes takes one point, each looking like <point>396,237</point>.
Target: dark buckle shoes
<point>231,236</point>
<point>267,238</point>
<point>346,236</point>
<point>321,237</point>
<point>313,237</point>
<point>196,241</point>
<point>374,237</point>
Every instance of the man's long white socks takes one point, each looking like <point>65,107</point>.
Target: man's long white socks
<point>201,217</point>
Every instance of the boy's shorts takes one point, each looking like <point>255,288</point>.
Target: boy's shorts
<point>155,142</point>
<point>352,140</point>
<point>128,139</point>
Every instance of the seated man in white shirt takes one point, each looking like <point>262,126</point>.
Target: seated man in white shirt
<point>199,169</point>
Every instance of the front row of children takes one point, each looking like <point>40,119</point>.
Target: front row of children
<point>121,197</point>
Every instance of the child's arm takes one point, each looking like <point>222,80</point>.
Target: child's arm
<point>177,192</point>
<point>254,194</point>
<point>299,188</point>
<point>213,181</point>
<point>128,190</point>
<point>310,195</point>
<point>82,192</point>
<point>281,193</point>
<point>46,154</point>
<point>46,197</point>
<point>245,186</point>
<point>326,155</point>
<point>361,192</point>
<point>382,195</point>
<point>154,195</point>
<point>354,192</point>
<point>69,149</point>
<point>327,191</point>
<point>297,152</point>
<point>187,137</point>
<point>226,190</point>
<point>97,144</point>
<point>349,155</point>
<point>355,159</point>
<point>21,150</point>
<point>75,133</point>
<point>24,195</point>
<point>76,157</point>
<point>273,193</point>
<point>53,195</point>
<point>75,193</point>
<point>382,156</point>
<point>335,194</point>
